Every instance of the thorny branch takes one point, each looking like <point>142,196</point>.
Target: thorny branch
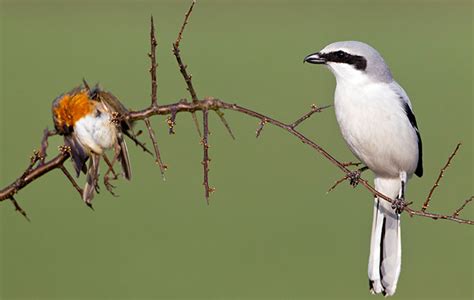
<point>206,159</point>
<point>71,179</point>
<point>188,77</point>
<point>314,109</point>
<point>34,170</point>
<point>458,211</point>
<point>154,98</point>
<point>18,208</point>
<point>183,68</point>
<point>155,146</point>
<point>441,174</point>
<point>152,55</point>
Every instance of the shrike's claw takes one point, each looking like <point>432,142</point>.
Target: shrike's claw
<point>354,178</point>
<point>399,205</point>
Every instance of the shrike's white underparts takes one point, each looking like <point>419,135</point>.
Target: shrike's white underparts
<point>377,122</point>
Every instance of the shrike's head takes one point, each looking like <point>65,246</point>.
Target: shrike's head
<point>352,61</point>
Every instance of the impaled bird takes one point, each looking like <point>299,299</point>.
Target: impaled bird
<point>87,118</point>
<point>376,119</point>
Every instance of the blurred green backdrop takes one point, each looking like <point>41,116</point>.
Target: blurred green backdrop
<point>271,232</point>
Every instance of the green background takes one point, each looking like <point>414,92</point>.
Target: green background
<point>270,232</point>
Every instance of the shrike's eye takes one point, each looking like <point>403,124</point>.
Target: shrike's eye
<point>341,54</point>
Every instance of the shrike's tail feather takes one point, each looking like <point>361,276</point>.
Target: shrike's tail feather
<point>385,243</point>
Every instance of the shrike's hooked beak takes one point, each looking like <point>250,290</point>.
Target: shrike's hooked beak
<point>314,58</point>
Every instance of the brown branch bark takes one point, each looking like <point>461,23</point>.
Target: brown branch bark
<point>441,174</point>
<point>71,179</point>
<point>466,202</point>
<point>154,65</point>
<point>183,68</point>
<point>214,104</point>
<point>32,174</point>
<point>205,161</point>
<point>314,109</point>
<point>155,146</point>
<point>18,208</point>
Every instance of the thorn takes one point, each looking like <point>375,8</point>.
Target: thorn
<point>196,124</point>
<point>19,209</point>
<point>224,121</point>
<point>260,127</point>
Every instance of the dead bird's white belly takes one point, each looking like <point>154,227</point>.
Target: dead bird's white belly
<point>96,133</point>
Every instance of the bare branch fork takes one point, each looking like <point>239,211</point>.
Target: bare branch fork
<point>39,166</point>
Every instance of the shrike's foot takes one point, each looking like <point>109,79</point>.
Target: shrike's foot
<point>399,205</point>
<point>354,177</point>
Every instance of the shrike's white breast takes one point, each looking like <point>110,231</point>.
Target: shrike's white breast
<point>375,127</point>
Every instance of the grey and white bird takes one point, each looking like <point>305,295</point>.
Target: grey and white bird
<point>376,119</point>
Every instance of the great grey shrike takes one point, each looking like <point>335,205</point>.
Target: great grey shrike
<point>377,122</point>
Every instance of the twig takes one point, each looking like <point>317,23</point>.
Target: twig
<point>137,142</point>
<point>44,143</point>
<point>18,208</point>
<point>314,109</point>
<point>71,179</point>
<point>336,183</point>
<point>183,68</point>
<point>466,202</point>
<point>152,56</point>
<point>260,127</point>
<point>350,164</point>
<point>206,160</point>
<point>185,22</point>
<point>224,121</point>
<point>433,216</point>
<point>32,174</point>
<point>441,174</point>
<point>35,157</point>
<point>151,132</point>
<point>171,121</point>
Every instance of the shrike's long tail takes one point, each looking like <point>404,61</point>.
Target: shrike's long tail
<point>385,244</point>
